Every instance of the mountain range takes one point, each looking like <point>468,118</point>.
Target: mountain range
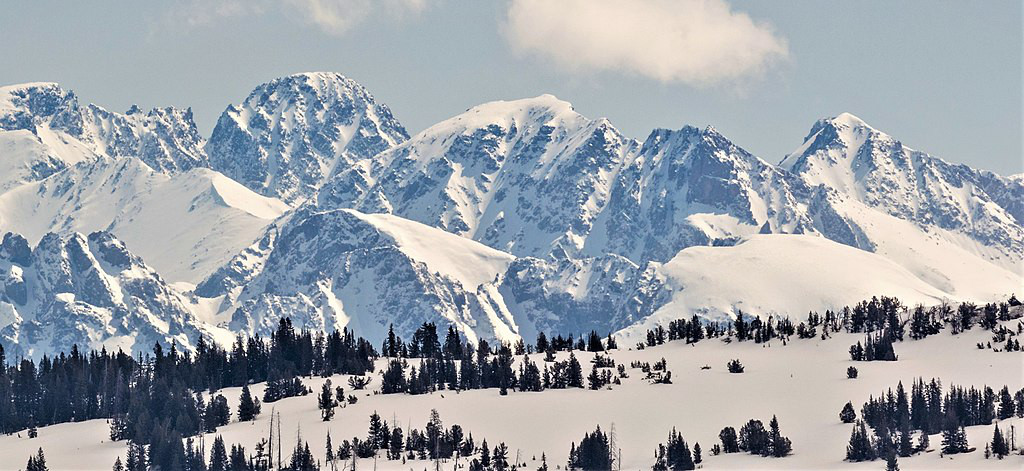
<point>310,200</point>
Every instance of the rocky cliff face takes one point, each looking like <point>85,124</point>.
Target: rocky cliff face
<point>293,133</point>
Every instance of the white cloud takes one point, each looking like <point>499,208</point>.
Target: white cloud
<point>698,42</point>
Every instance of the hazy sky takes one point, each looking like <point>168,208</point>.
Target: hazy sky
<point>944,77</point>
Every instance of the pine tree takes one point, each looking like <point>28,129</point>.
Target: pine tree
<point>218,455</point>
<point>674,454</point>
<point>238,460</point>
<point>37,462</point>
<point>696,454</point>
<point>500,457</point>
<point>848,415</point>
<point>485,455</point>
<point>1000,447</point>
<point>326,401</point>
<point>729,440</point>
<point>248,406</point>
<point>778,445</point>
<point>860,447</point>
<point>329,456</point>
<point>954,439</point>
<point>1006,405</point>
<point>890,461</point>
<point>117,465</point>
<point>217,413</point>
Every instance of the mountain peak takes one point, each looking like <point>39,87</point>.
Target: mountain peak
<point>293,133</point>
<point>847,119</point>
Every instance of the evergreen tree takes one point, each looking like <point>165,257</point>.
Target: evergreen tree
<point>696,454</point>
<point>217,413</point>
<point>118,466</point>
<point>500,458</point>
<point>574,373</point>
<point>326,402</point>
<point>673,455</point>
<point>593,453</point>
<point>329,455</point>
<point>248,406</point>
<point>37,462</point>
<point>954,439</point>
<point>730,443</point>
<point>1000,446</point>
<point>779,445</point>
<point>754,439</point>
<point>890,461</point>
<point>1006,405</point>
<point>237,459</point>
<point>848,415</point>
<point>218,455</point>
<point>860,447</point>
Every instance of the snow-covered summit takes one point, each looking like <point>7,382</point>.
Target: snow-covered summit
<point>293,133</point>
<point>874,168</point>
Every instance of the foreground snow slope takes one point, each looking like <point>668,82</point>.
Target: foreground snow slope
<point>803,383</point>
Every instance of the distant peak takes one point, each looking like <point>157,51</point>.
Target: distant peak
<point>546,101</point>
<point>848,119</point>
<point>6,89</point>
<point>541,109</point>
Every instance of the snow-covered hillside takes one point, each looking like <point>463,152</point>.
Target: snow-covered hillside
<point>803,383</point>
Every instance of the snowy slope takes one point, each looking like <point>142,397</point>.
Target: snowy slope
<point>787,275</point>
<point>185,225</point>
<point>803,383</point>
<point>293,133</point>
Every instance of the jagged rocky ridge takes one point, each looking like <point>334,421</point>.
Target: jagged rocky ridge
<point>86,290</point>
<point>568,223</point>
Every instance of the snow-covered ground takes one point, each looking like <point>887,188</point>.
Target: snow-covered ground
<point>804,383</point>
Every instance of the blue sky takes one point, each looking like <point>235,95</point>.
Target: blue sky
<point>944,77</point>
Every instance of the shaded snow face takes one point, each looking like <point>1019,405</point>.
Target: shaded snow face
<point>293,133</point>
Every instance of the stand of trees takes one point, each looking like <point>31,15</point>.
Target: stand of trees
<point>755,439</point>
<point>895,416</point>
<point>883,319</point>
<point>675,454</point>
<point>595,452</point>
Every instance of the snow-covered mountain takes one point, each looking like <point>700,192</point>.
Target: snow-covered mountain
<point>511,218</point>
<point>65,132</point>
<point>341,268</point>
<point>526,176</point>
<point>185,225</point>
<point>86,290</point>
<point>868,166</point>
<point>293,133</point>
